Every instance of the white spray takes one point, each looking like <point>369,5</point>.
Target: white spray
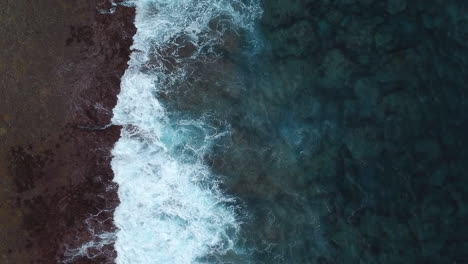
<point>171,209</point>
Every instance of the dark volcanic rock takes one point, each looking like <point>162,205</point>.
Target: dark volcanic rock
<point>60,65</point>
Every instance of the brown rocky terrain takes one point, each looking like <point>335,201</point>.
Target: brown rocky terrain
<point>60,69</point>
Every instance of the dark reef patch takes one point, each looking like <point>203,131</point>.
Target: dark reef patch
<point>81,33</point>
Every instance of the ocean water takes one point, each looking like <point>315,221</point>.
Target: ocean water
<point>283,131</point>
<point>172,208</point>
<point>212,137</point>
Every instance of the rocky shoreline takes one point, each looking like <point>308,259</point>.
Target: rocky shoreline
<point>61,66</point>
<point>376,176</point>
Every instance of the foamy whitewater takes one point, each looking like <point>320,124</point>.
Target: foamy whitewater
<point>171,210</point>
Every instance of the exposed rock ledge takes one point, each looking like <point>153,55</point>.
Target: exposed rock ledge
<point>60,69</point>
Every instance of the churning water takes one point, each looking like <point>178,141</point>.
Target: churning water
<point>172,209</point>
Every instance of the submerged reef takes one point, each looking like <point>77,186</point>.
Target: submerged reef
<point>360,131</point>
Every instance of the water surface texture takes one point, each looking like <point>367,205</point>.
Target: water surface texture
<point>294,132</point>
<point>172,209</point>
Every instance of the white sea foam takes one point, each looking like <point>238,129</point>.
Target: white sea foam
<point>172,210</point>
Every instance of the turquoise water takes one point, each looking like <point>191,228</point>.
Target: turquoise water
<point>272,160</point>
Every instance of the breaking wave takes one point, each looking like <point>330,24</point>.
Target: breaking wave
<point>172,209</point>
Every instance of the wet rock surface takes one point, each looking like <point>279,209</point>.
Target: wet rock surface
<point>60,65</point>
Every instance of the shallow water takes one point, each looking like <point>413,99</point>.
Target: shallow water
<point>292,132</point>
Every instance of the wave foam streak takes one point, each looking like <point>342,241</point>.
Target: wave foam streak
<point>171,210</point>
